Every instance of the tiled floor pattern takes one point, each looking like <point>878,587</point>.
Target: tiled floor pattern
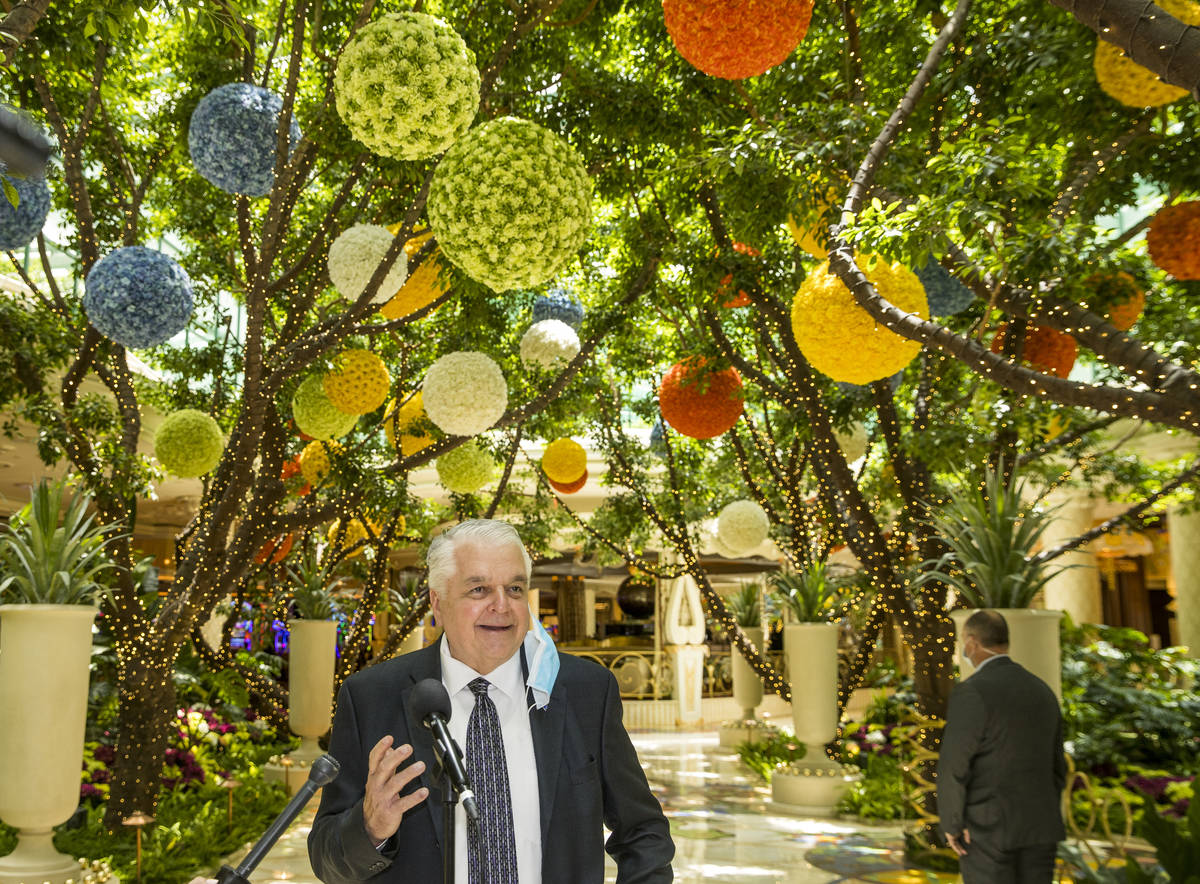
<point>723,824</point>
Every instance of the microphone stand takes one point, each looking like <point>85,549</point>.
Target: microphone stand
<point>449,803</point>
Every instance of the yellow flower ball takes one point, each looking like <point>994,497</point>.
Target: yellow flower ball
<point>315,460</point>
<point>423,285</point>
<point>813,236</point>
<point>354,533</point>
<point>840,338</point>
<point>413,437</point>
<point>564,461</point>
<point>1130,83</point>
<point>359,384</point>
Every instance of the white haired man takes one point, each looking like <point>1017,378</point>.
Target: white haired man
<point>545,731</point>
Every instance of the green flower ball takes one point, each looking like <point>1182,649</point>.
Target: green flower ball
<point>407,86</point>
<point>466,468</point>
<point>188,443</point>
<point>510,203</point>
<point>315,415</point>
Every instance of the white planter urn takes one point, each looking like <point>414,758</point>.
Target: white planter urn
<point>44,655</point>
<point>1033,642</point>
<point>747,693</point>
<point>414,641</point>
<point>312,654</point>
<point>814,784</point>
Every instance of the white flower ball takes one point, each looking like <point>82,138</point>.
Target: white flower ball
<point>354,257</point>
<point>464,393</point>
<point>742,525</point>
<point>548,343</point>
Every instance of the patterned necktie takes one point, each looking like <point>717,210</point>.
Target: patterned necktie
<point>492,846</point>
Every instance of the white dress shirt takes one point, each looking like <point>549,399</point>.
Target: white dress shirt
<point>984,662</point>
<point>507,692</point>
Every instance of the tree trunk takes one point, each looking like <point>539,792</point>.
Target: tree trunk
<point>146,715</point>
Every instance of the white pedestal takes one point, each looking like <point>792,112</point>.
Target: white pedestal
<point>810,787</point>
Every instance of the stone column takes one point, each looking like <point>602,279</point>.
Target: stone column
<point>1184,582</point>
<point>1077,589</point>
<point>589,609</point>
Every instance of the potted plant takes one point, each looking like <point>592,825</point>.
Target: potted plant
<point>810,645</point>
<point>991,564</point>
<point>746,607</point>
<point>54,560</point>
<point>312,597</point>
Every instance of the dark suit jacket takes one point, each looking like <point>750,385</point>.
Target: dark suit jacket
<point>588,776</point>
<point>1001,770</point>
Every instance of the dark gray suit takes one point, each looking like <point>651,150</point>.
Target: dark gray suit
<point>1001,773</point>
<point>588,776</point>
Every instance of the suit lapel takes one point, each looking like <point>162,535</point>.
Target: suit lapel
<point>546,726</point>
<point>421,738</point>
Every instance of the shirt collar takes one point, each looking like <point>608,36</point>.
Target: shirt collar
<point>982,664</point>
<point>506,678</point>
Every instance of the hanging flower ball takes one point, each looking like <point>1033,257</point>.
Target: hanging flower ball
<point>137,297</point>
<point>1047,349</point>
<point>698,402</point>
<point>569,487</point>
<point>355,532</point>
<point>315,415</point>
<point>549,343</point>
<point>852,442</point>
<point>20,224</point>
<point>188,443</point>
<point>467,468</point>
<point>464,393</point>
<point>406,86</point>
<point>407,421</point>
<point>354,257</point>
<point>233,135</point>
<point>557,304</point>
<point>359,384</point>
<point>423,286</point>
<point>946,295</point>
<point>511,203</point>
<point>275,550</point>
<point>1129,82</point>
<point>315,460</point>
<point>742,526</point>
<point>564,461</point>
<point>734,39</point>
<point>741,299</point>
<point>840,338</point>
<point>1174,239</point>
<point>1120,296</point>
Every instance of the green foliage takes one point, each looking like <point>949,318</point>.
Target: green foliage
<point>52,551</point>
<point>1177,846</point>
<point>1126,704</point>
<point>311,591</point>
<point>881,793</point>
<point>991,563</point>
<point>746,605</point>
<point>810,595</point>
<point>764,756</point>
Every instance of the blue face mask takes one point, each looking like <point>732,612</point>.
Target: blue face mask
<point>542,657</point>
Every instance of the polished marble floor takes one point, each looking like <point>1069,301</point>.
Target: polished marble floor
<point>724,827</point>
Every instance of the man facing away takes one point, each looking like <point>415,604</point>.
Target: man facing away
<point>1001,770</point>
<point>550,761</point>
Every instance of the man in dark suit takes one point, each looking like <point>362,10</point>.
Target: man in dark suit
<point>568,765</point>
<point>1001,770</point>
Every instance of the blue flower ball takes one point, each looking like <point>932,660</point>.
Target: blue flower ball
<point>557,304</point>
<point>232,135</point>
<point>138,297</point>
<point>20,224</point>
<point>946,294</point>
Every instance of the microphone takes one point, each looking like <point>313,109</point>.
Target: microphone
<point>323,772</point>
<point>431,705</point>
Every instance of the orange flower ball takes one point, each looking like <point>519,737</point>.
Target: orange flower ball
<point>1174,239</point>
<point>275,550</point>
<point>734,39</point>
<point>568,487</point>
<point>1123,298</point>
<point>1046,349</point>
<point>700,403</point>
<point>741,299</point>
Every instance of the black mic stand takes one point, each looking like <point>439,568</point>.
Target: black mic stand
<point>449,803</point>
